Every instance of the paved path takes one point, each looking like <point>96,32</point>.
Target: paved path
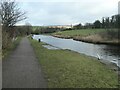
<point>22,69</point>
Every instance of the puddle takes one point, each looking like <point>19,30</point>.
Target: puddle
<point>50,47</point>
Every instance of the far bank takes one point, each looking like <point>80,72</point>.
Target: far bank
<point>96,36</point>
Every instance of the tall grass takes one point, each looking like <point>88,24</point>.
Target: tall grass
<point>8,44</point>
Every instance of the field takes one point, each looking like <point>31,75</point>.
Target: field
<point>67,69</point>
<point>82,32</point>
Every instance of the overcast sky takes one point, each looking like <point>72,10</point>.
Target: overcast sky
<point>67,12</point>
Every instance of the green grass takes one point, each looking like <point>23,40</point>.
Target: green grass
<point>13,45</point>
<point>82,32</point>
<point>67,69</point>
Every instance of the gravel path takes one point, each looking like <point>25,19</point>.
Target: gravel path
<point>22,69</point>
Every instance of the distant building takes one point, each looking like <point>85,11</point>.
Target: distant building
<point>61,26</point>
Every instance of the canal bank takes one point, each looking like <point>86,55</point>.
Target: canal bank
<point>95,39</point>
<point>95,36</point>
<point>68,69</point>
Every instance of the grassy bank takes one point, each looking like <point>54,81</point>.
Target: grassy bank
<point>88,35</point>
<point>82,32</point>
<point>5,52</point>
<point>67,69</point>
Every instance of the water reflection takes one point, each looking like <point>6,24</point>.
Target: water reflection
<point>112,50</point>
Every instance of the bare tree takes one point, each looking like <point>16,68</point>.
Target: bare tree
<point>10,13</point>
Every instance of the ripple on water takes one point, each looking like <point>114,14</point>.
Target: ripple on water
<point>50,47</point>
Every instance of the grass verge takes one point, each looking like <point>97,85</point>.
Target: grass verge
<point>67,69</point>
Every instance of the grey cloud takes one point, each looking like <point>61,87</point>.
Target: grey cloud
<point>69,12</point>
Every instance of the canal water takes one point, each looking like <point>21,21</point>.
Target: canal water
<point>107,53</point>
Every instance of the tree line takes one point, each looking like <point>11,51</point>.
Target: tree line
<point>112,22</point>
<point>105,23</point>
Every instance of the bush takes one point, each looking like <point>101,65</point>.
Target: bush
<point>6,40</point>
<point>110,34</point>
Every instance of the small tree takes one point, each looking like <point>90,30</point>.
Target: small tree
<point>107,23</point>
<point>79,26</point>
<point>103,22</point>
<point>97,24</point>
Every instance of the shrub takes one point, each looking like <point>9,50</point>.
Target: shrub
<point>6,40</point>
